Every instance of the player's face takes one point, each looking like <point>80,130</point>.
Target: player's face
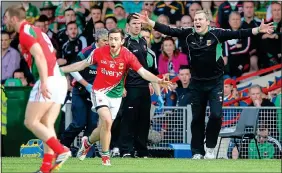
<point>146,35</point>
<point>10,22</point>
<point>201,23</point>
<point>184,76</point>
<point>103,41</point>
<point>135,27</point>
<point>227,89</point>
<point>115,41</point>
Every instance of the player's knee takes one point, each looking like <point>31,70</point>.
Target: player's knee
<point>107,124</point>
<point>29,123</point>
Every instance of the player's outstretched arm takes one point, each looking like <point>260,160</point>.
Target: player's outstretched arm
<point>78,66</point>
<point>145,74</point>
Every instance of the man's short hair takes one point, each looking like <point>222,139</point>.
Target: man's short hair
<point>68,9</point>
<point>130,17</point>
<point>100,21</point>
<point>71,22</point>
<point>5,33</point>
<point>206,13</point>
<point>111,17</point>
<point>255,86</point>
<point>95,7</point>
<point>16,11</point>
<point>146,29</point>
<point>117,30</point>
<point>234,13</point>
<point>43,18</point>
<point>249,1</point>
<point>100,33</point>
<point>184,67</point>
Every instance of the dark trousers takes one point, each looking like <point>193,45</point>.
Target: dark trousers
<point>83,118</point>
<point>135,122</point>
<point>203,92</point>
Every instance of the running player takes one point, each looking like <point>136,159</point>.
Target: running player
<point>112,62</point>
<point>49,91</point>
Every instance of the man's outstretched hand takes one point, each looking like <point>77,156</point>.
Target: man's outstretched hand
<point>266,28</point>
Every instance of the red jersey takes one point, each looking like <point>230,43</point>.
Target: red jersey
<point>29,35</point>
<point>112,70</point>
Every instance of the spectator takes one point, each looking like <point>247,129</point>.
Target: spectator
<point>170,59</point>
<point>120,15</point>
<point>149,6</point>
<point>272,54</point>
<point>47,8</point>
<point>60,14</point>
<point>10,57</point>
<point>269,118</point>
<point>195,6</point>
<point>173,9</point>
<point>32,12</point>
<point>225,10</point>
<point>99,25</point>
<point>108,9</point>
<point>238,49</point>
<point>19,74</point>
<point>132,6</point>
<point>181,86</point>
<point>69,16</point>
<point>110,22</point>
<point>73,46</point>
<point>186,21</point>
<point>96,15</point>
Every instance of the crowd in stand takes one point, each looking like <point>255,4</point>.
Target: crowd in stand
<point>71,26</point>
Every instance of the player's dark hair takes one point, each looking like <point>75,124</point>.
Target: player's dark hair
<point>68,9</point>
<point>117,30</point>
<point>130,17</point>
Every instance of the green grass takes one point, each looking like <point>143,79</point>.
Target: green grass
<point>147,165</point>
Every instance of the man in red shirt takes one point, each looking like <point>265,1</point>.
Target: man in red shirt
<point>49,91</point>
<point>112,62</point>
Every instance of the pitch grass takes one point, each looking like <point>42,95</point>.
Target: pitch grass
<point>147,165</point>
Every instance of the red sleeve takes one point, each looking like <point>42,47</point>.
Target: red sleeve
<point>132,61</point>
<point>28,37</point>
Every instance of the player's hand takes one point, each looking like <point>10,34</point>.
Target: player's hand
<point>160,102</point>
<point>89,88</point>
<point>124,93</point>
<point>44,91</point>
<point>266,28</point>
<point>167,85</point>
<point>151,89</point>
<point>142,18</point>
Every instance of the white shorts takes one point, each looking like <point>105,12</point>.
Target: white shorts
<point>57,86</point>
<point>101,100</point>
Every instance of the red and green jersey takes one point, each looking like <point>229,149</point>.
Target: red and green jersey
<point>28,36</point>
<point>112,70</point>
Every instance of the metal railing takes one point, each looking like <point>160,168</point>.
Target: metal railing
<point>172,125</point>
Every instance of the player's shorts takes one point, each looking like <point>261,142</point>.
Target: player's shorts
<point>57,86</point>
<point>101,100</point>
